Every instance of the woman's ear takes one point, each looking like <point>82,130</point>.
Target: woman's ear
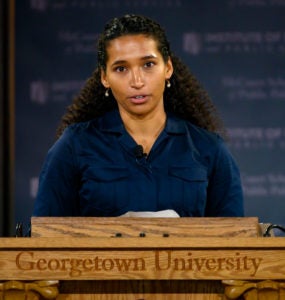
<point>169,69</point>
<point>104,79</point>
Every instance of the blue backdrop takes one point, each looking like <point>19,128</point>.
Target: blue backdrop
<point>235,47</point>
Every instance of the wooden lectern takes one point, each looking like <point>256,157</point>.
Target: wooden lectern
<point>143,258</point>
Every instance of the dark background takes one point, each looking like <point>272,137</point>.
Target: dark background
<point>236,48</point>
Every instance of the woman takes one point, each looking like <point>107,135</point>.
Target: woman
<point>141,136</point>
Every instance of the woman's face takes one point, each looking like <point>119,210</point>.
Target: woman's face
<point>136,74</point>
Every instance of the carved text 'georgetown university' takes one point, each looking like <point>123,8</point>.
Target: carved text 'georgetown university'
<point>161,261</point>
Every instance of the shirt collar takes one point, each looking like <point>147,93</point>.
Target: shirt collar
<point>112,122</point>
<point>175,125</point>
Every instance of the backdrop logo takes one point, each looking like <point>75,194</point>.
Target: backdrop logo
<point>264,184</point>
<point>192,43</point>
<point>40,5</point>
<point>39,91</point>
<point>256,3</point>
<point>257,138</point>
<point>34,184</point>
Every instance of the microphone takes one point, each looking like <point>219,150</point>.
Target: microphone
<point>138,152</point>
<point>141,158</point>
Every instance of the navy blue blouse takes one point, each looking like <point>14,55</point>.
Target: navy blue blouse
<point>93,170</point>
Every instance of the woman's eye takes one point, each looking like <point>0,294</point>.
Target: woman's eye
<point>149,64</point>
<point>120,69</point>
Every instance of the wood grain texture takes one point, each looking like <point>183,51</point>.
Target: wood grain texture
<point>142,289</point>
<point>45,243</point>
<point>133,227</point>
<point>142,258</point>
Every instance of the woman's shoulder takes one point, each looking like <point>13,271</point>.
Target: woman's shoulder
<point>99,123</point>
<point>199,133</point>
<point>209,144</point>
<point>195,132</point>
<point>80,126</point>
<point>205,141</point>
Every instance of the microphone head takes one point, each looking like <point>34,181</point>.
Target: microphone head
<point>138,151</point>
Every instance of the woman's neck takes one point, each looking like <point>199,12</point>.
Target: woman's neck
<point>145,131</point>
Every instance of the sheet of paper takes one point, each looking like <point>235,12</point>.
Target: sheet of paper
<point>168,213</point>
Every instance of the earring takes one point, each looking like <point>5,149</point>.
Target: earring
<point>107,93</point>
<point>168,84</point>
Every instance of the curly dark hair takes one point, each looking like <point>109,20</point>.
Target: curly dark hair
<point>186,98</point>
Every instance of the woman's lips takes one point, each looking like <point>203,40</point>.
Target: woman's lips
<point>138,99</point>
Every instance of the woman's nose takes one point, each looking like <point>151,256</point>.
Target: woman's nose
<point>137,80</point>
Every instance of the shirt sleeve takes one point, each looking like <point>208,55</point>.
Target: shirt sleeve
<point>58,182</point>
<point>225,195</point>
